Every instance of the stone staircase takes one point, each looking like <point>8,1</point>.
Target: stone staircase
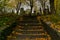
<point>29,29</point>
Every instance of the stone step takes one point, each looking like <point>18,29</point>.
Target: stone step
<point>17,33</point>
<point>33,36</point>
<point>28,20</point>
<point>29,27</point>
<point>16,36</point>
<point>29,38</point>
<point>30,32</point>
<point>40,27</point>
<point>29,24</point>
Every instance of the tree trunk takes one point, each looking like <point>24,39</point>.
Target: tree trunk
<point>52,6</point>
<point>18,7</point>
<point>31,5</point>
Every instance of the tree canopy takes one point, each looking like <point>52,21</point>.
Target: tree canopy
<point>16,5</point>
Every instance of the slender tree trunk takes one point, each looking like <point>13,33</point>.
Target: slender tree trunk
<point>18,7</point>
<point>43,6</point>
<point>31,5</point>
<point>52,6</point>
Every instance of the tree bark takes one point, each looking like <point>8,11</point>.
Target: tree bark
<point>52,6</point>
<point>31,5</point>
<point>18,7</point>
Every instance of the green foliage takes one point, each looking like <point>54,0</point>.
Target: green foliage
<point>3,3</point>
<point>6,19</point>
<point>55,18</point>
